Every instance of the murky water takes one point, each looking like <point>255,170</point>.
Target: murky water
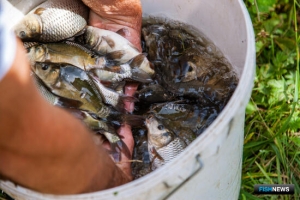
<point>193,83</point>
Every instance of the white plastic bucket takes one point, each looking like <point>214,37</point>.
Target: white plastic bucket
<point>210,167</point>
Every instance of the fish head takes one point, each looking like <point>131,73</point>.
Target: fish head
<point>90,37</point>
<point>48,72</point>
<point>193,64</point>
<point>37,53</point>
<point>158,135</point>
<point>29,28</point>
<point>188,72</point>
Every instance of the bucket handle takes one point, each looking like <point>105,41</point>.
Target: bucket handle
<point>198,160</point>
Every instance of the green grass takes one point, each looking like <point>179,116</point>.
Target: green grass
<point>272,129</point>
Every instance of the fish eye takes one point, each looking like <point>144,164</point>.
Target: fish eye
<point>190,69</point>
<point>160,127</point>
<point>45,66</point>
<point>22,34</point>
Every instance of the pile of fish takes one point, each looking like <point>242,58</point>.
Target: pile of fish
<point>83,69</point>
<point>192,84</point>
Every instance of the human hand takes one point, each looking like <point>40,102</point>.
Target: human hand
<point>124,17</point>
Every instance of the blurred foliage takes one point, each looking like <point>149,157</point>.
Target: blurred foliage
<point>272,138</point>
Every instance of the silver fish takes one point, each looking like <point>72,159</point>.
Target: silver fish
<point>53,21</point>
<point>130,71</point>
<point>112,97</point>
<point>163,144</point>
<point>104,42</point>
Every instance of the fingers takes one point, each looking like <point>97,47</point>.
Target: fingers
<point>130,89</point>
<point>116,19</point>
<point>125,131</point>
<point>116,15</point>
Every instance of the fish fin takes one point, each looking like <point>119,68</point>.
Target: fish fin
<point>39,11</point>
<point>115,55</point>
<point>127,98</point>
<point>117,145</point>
<point>156,154</point>
<point>123,32</point>
<point>133,120</point>
<point>114,154</point>
<point>137,61</point>
<point>140,76</point>
<point>122,147</point>
<point>69,103</point>
<point>82,31</point>
<point>109,41</point>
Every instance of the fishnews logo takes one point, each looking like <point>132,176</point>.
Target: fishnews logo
<point>274,189</point>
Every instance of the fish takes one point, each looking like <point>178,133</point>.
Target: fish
<point>28,45</point>
<point>153,93</point>
<point>52,98</point>
<point>53,20</point>
<point>185,115</point>
<point>129,71</point>
<point>97,125</point>
<point>163,144</point>
<point>186,69</point>
<point>107,42</point>
<point>73,83</point>
<point>65,52</point>
<point>112,97</point>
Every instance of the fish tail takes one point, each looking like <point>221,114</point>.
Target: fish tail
<point>121,118</point>
<point>142,63</point>
<point>69,103</point>
<point>115,55</point>
<point>137,60</point>
<point>117,146</point>
<point>133,120</point>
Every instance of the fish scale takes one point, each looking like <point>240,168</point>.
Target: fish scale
<point>65,13</point>
<point>167,152</point>
<point>163,144</point>
<point>53,21</point>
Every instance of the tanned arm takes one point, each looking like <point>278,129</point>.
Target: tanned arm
<point>43,147</point>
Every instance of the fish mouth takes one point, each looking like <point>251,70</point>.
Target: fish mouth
<point>33,67</point>
<point>149,118</point>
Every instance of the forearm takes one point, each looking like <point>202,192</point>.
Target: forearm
<point>43,147</point>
